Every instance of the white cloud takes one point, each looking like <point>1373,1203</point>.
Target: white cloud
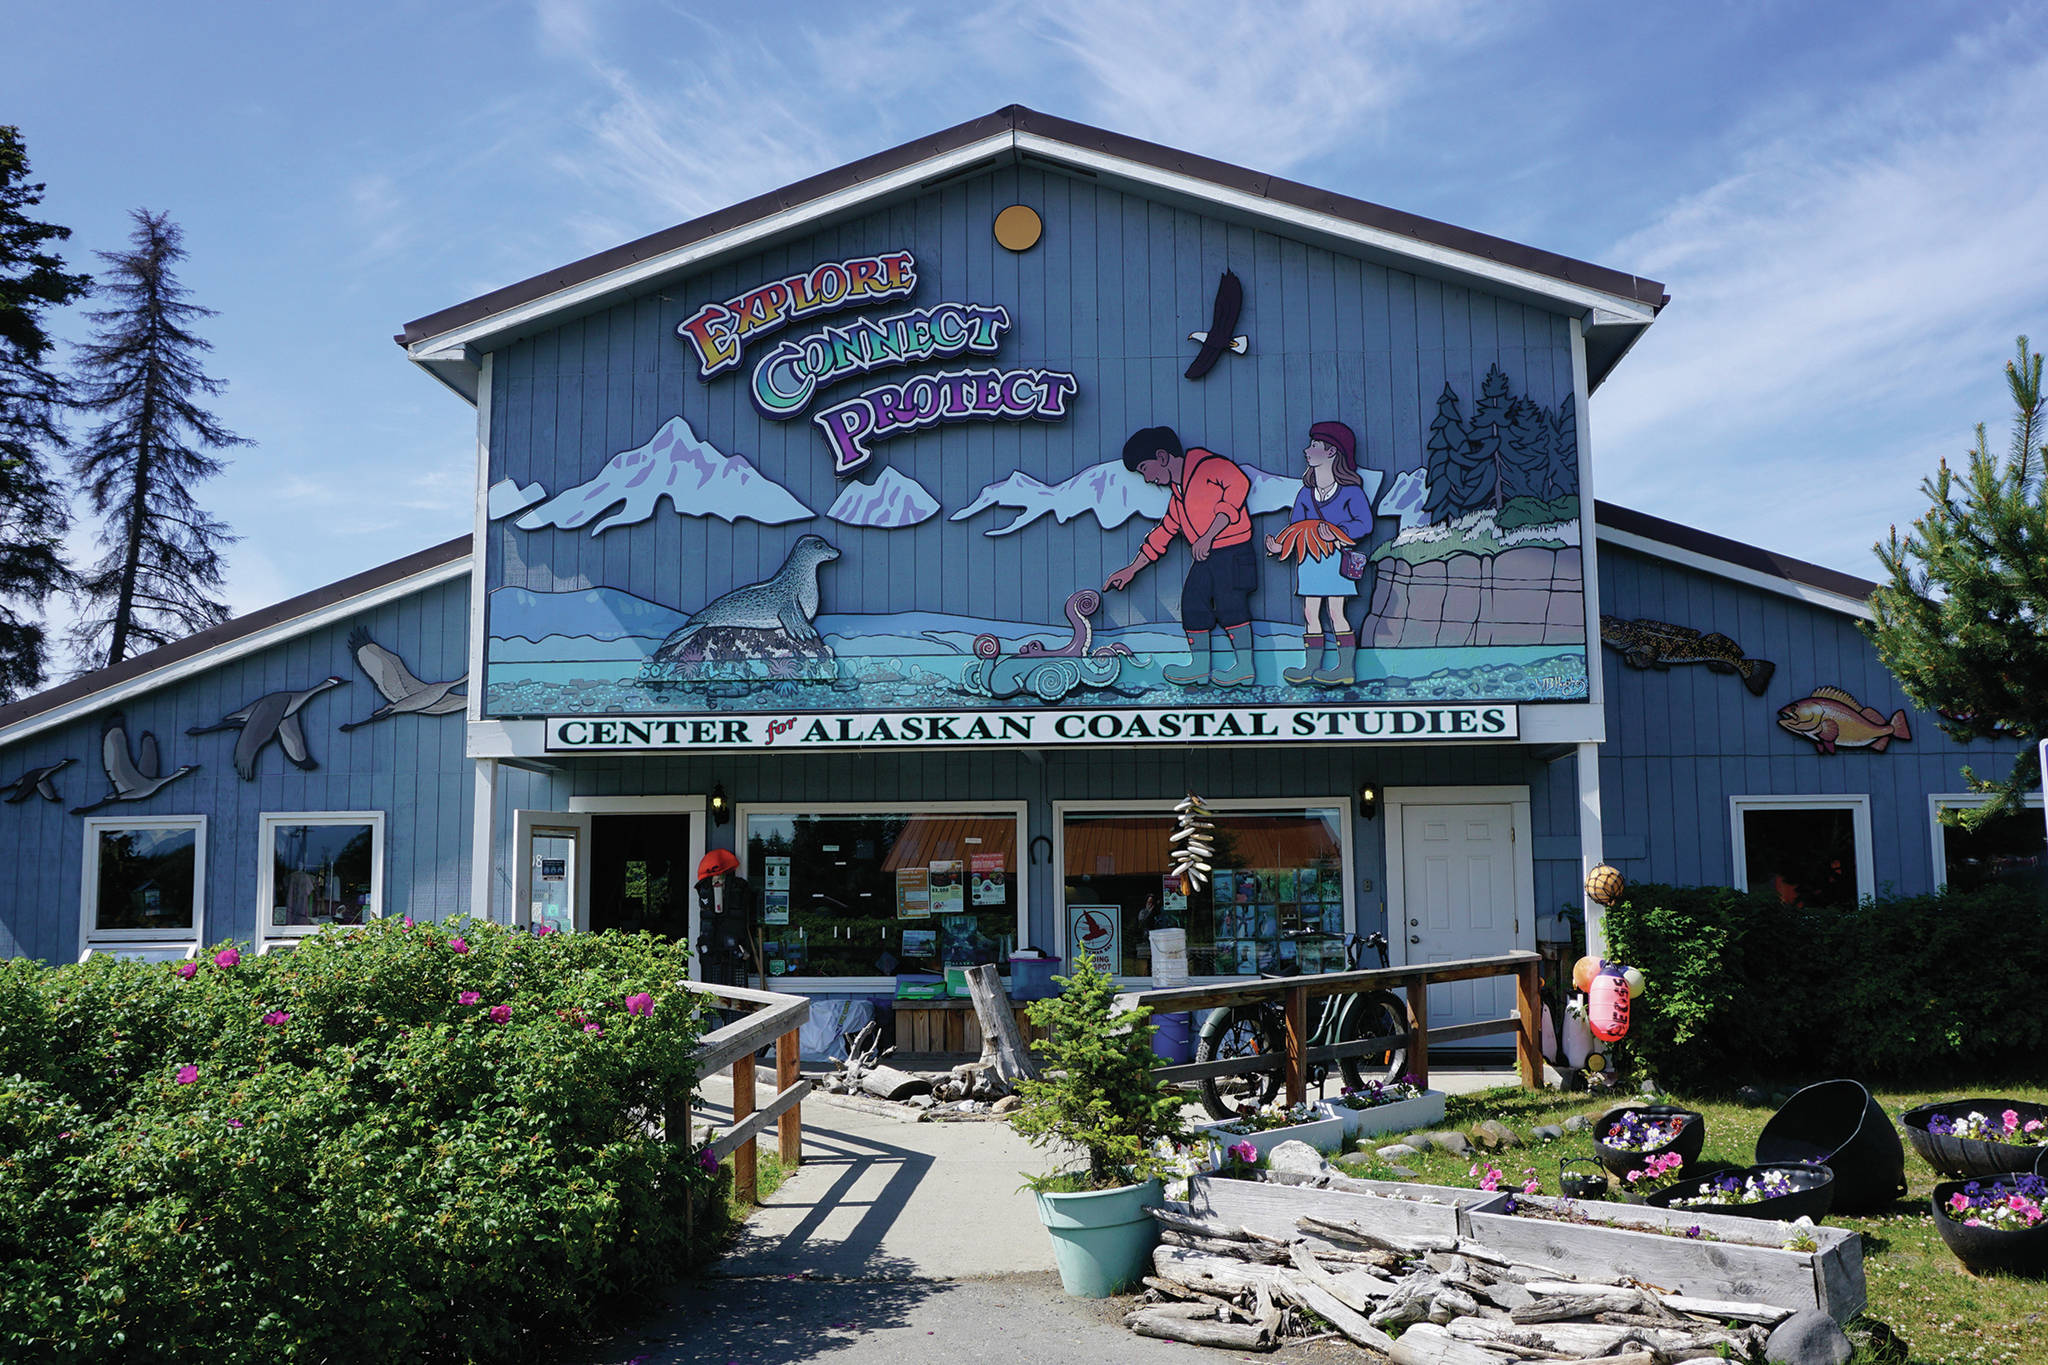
<point>1842,297</point>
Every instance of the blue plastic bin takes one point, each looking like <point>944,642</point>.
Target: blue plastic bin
<point>1174,1042</point>
<point>1031,977</point>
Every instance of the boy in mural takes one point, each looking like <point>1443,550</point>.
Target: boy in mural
<point>1331,513</point>
<point>1207,506</point>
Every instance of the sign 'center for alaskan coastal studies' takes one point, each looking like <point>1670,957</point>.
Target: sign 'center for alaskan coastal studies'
<point>1490,722</point>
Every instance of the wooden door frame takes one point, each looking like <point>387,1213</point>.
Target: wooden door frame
<point>1396,800</point>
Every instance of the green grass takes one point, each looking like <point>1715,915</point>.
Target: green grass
<point>1916,1287</point>
<point>768,1178</point>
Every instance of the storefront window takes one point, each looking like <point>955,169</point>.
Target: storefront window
<point>2007,851</point>
<point>143,877</point>
<point>1810,853</point>
<point>1278,881</point>
<point>861,893</point>
<point>321,869</point>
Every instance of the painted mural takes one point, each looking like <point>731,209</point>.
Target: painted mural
<point>1662,645</point>
<point>1337,560</point>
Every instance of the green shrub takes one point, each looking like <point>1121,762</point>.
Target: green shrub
<point>327,1155</point>
<point>1899,988</point>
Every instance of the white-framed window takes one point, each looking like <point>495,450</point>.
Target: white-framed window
<point>144,880</point>
<point>315,868</point>
<point>852,895</point>
<point>1282,870</point>
<point>2012,850</point>
<point>1805,850</point>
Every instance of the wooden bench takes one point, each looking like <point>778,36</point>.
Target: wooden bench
<point>947,1026</point>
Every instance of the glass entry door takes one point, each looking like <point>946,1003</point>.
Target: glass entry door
<point>551,870</point>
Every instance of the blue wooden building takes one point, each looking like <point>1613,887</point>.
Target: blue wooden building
<point>922,531</point>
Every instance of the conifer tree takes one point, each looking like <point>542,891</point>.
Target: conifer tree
<point>1564,450</point>
<point>1528,449</point>
<point>33,511</point>
<point>1446,441</point>
<point>1964,620</point>
<point>141,376</point>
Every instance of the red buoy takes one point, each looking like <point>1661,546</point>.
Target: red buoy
<point>1607,1005</point>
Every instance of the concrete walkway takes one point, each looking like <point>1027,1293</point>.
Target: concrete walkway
<point>903,1244</point>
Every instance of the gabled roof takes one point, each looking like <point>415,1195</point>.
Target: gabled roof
<point>91,692</point>
<point>1615,305</point>
<point>104,687</point>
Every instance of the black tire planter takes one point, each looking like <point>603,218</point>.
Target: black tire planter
<point>2014,1251</point>
<point>1813,1194</point>
<point>1838,1125</point>
<point>1966,1158</point>
<point>1621,1160</point>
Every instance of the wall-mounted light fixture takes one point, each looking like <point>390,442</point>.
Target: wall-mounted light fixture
<point>721,809</point>
<point>1369,801</point>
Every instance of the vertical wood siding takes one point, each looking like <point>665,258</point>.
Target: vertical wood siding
<point>411,768</point>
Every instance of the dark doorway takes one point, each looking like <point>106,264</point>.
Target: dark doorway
<point>640,874</point>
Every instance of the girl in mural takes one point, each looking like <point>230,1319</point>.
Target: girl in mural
<point>1331,514</point>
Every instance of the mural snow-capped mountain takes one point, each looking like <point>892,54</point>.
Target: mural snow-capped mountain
<point>1113,495</point>
<point>893,500</point>
<point>1406,498</point>
<point>508,497</point>
<point>696,478</point>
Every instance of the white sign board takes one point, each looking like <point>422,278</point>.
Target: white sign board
<point>1096,930</point>
<point>1368,723</point>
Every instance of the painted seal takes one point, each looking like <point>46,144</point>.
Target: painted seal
<point>787,602</point>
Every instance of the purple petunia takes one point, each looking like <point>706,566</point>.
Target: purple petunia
<point>187,1074</point>
<point>707,1160</point>
<point>593,1028</point>
<point>188,970</point>
<point>470,997</point>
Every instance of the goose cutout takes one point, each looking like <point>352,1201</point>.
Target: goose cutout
<point>35,782</point>
<point>404,695</point>
<point>272,716</point>
<point>131,779</point>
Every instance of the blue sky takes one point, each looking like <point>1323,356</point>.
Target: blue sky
<point>1845,201</point>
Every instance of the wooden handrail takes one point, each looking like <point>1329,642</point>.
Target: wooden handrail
<point>768,1015</point>
<point>1293,993</point>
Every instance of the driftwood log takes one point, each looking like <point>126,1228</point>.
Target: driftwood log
<point>1002,1047</point>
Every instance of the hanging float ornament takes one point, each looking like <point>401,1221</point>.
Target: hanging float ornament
<point>1583,972</point>
<point>1604,885</point>
<point>1607,1005</point>
<point>1636,981</point>
<point>1193,840</point>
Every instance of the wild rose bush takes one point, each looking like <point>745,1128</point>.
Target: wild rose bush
<point>378,1147</point>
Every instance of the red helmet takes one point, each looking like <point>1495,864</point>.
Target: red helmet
<point>719,862</point>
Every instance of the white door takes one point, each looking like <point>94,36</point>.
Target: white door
<point>1465,888</point>
<point>551,869</point>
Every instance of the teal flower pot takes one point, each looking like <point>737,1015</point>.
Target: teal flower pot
<point>1102,1240</point>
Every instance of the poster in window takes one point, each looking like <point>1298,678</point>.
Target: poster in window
<point>1309,952</point>
<point>1098,931</point>
<point>948,896</point>
<point>775,907</point>
<point>1269,922</point>
<point>1172,899</point>
<point>920,942</point>
<point>777,875</point>
<point>913,893</point>
<point>991,878</point>
<point>962,942</point>
<point>1247,957</point>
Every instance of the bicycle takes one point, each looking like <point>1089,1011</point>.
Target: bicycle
<point>1260,1029</point>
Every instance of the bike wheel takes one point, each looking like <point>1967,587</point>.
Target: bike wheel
<point>1378,1015</point>
<point>1244,1033</point>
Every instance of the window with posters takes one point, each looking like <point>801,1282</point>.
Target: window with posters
<point>878,891</point>
<point>1278,894</point>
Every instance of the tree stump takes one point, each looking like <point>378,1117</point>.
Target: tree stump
<point>1002,1047</point>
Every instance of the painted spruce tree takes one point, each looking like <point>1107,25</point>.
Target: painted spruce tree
<point>141,377</point>
<point>1964,620</point>
<point>1441,458</point>
<point>1513,447</point>
<point>33,512</point>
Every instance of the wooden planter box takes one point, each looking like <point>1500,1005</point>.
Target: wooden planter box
<point>1746,1261</point>
<point>1325,1135</point>
<point>1402,1116</point>
<point>1400,1209</point>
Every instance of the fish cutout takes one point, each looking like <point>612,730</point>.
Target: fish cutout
<point>1659,644</point>
<point>1222,319</point>
<point>1833,719</point>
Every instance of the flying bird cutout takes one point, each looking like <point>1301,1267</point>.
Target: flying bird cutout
<point>272,717</point>
<point>131,779</point>
<point>35,782</point>
<point>404,694</point>
<point>1218,339</point>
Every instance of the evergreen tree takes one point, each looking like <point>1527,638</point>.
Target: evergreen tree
<point>33,512</point>
<point>1964,620</point>
<point>1447,439</point>
<point>1528,449</point>
<point>1487,476</point>
<point>1564,450</point>
<point>141,376</point>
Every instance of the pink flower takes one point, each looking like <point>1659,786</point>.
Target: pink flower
<point>187,1074</point>
<point>706,1160</point>
<point>234,1123</point>
<point>469,997</point>
<point>592,1028</point>
<point>226,957</point>
<point>1532,1184</point>
<point>501,1014</point>
<point>1957,1202</point>
<point>1245,1152</point>
<point>643,1003</point>
<point>543,930</point>
<point>188,970</point>
<point>2035,1125</point>
<point>2012,1120</point>
<point>276,1017</point>
<point>458,945</point>
<point>406,922</point>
